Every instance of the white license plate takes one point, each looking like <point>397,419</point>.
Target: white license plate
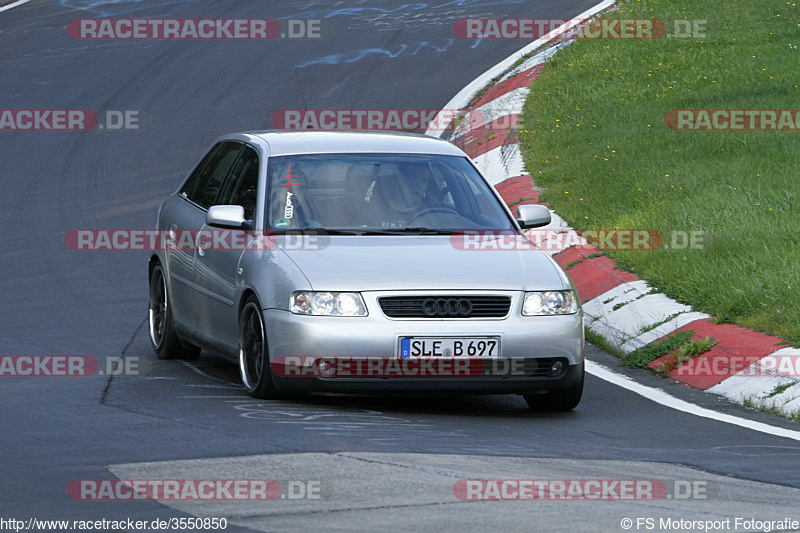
<point>449,347</point>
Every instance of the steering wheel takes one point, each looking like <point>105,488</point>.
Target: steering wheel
<point>438,209</point>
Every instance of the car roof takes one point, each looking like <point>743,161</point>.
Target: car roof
<point>324,142</point>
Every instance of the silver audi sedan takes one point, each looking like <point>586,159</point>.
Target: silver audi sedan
<point>356,262</point>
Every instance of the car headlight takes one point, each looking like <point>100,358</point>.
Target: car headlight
<point>328,303</point>
<point>549,303</point>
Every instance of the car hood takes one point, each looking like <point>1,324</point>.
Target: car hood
<point>423,262</point>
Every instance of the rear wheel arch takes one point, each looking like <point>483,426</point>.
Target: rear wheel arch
<point>163,337</point>
<point>246,294</point>
<point>154,260</point>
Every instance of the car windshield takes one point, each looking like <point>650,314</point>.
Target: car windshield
<point>380,193</point>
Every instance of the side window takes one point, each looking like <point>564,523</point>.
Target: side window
<point>212,173</point>
<point>191,183</point>
<point>242,186</point>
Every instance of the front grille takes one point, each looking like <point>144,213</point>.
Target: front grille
<point>445,306</point>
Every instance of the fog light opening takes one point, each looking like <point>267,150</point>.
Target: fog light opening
<point>326,368</point>
<point>556,369</point>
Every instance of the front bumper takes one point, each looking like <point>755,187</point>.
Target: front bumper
<point>529,338</point>
<point>431,386</point>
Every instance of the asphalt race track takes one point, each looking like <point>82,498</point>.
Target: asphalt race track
<point>387,463</point>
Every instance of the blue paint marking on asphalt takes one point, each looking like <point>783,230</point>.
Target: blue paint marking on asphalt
<point>105,8</point>
<point>354,11</point>
<point>101,8</point>
<point>109,8</point>
<point>357,55</point>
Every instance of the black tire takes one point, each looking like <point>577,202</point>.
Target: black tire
<point>561,400</point>
<point>253,353</point>
<point>163,339</point>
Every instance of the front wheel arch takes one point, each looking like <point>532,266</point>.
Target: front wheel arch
<point>253,350</point>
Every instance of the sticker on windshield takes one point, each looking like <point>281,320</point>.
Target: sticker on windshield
<point>288,211</point>
<point>281,223</point>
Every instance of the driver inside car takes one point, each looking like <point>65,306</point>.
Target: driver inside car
<point>401,196</point>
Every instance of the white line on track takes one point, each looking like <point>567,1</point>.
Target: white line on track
<point>661,397</point>
<point>15,4</point>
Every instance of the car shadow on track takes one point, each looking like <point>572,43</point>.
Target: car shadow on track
<point>467,405</point>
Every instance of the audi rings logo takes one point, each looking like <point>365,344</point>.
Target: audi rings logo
<point>447,307</point>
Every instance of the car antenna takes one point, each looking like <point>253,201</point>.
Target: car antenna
<point>297,77</point>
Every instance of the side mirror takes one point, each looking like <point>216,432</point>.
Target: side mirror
<point>227,216</point>
<point>533,216</point>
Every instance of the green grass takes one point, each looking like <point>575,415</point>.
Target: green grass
<point>594,139</point>
<point>642,357</point>
<point>654,325</point>
<point>681,347</point>
<point>685,353</point>
<point>697,347</point>
<point>771,407</point>
<point>779,389</point>
<point>602,343</point>
<point>581,260</point>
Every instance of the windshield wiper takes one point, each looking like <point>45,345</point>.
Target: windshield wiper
<point>418,230</point>
<point>325,231</point>
<point>365,231</point>
<point>337,231</point>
